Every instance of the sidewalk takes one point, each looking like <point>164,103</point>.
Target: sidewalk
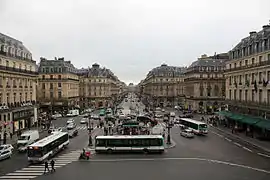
<point>14,139</point>
<point>264,145</point>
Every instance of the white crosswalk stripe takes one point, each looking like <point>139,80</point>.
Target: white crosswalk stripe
<point>34,171</point>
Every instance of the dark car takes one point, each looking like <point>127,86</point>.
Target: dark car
<point>73,133</point>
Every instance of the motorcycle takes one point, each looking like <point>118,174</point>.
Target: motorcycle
<point>84,155</point>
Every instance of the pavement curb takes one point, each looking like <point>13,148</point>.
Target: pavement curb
<point>243,140</point>
<point>172,145</point>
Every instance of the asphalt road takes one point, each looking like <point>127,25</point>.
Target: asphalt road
<point>19,160</point>
<point>203,157</point>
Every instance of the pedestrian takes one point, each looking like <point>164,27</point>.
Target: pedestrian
<point>10,134</point>
<point>46,167</point>
<point>52,165</point>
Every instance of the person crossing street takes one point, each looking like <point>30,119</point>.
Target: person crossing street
<point>52,165</point>
<point>46,167</point>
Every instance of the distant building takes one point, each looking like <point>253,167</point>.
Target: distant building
<point>99,87</point>
<point>205,83</point>
<point>58,85</point>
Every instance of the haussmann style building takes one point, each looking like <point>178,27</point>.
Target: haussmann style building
<point>58,88</point>
<point>18,79</point>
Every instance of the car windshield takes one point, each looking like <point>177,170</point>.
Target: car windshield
<point>24,137</point>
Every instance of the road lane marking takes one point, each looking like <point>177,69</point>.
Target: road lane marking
<point>228,139</point>
<point>17,177</point>
<point>24,174</point>
<point>237,144</point>
<point>196,159</point>
<point>21,171</point>
<point>245,148</point>
<point>265,155</point>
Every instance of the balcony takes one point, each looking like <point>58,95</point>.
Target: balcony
<point>203,78</point>
<point>205,98</point>
<point>8,86</point>
<point>58,80</point>
<point>12,69</point>
<point>263,63</point>
<point>249,104</point>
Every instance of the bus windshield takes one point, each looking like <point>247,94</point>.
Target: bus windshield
<point>202,126</point>
<point>35,153</point>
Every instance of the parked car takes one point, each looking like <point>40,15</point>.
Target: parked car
<point>70,121</point>
<point>5,154</point>
<point>73,133</point>
<point>71,126</point>
<point>83,120</point>
<point>187,133</point>
<point>6,147</point>
<point>56,116</point>
<point>52,130</point>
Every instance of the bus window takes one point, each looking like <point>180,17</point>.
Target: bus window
<point>136,142</point>
<point>100,142</point>
<point>154,142</point>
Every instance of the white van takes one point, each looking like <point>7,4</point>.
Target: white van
<point>72,113</point>
<point>26,139</point>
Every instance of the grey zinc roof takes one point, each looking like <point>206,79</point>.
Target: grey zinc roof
<point>4,39</point>
<point>97,71</point>
<point>165,70</point>
<point>256,37</point>
<point>208,62</point>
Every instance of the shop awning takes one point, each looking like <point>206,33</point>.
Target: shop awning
<point>264,124</point>
<point>250,120</point>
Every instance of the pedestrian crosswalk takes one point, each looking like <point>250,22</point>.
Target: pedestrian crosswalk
<point>34,171</point>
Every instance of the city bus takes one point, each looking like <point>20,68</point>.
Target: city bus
<point>47,147</point>
<point>139,143</point>
<point>197,127</point>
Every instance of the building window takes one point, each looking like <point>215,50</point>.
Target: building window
<point>240,80</point>
<point>59,85</point>
<point>252,78</point>
<point>268,76</point>
<point>230,66</point>
<point>201,90</point>
<point>260,96</point>
<point>234,94</point>
<point>7,97</point>
<point>43,85</point>
<point>246,95</point>
<point>268,57</point>
<point>240,95</point>
<point>7,63</point>
<point>26,96</point>
<point>268,96</point>
<point>51,76</point>
<point>44,94</point>
<point>43,76</point>
<point>234,65</point>
<point>20,97</point>
<point>31,96</point>
<point>260,59</point>
<point>252,61</point>
<point>14,64</point>
<point>260,77</point>
<point>253,95</point>
<point>59,94</point>
<point>59,77</point>
<point>20,66</point>
<point>51,94</point>
<point>14,97</point>
<point>51,85</point>
<point>246,62</point>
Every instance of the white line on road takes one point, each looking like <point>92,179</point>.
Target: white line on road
<point>265,155</point>
<point>237,144</point>
<point>17,177</point>
<point>29,171</point>
<point>196,159</point>
<point>228,139</point>
<point>24,174</point>
<point>245,148</point>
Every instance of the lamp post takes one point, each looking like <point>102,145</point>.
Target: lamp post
<point>169,126</point>
<point>90,143</point>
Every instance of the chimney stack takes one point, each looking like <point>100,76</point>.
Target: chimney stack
<point>252,33</point>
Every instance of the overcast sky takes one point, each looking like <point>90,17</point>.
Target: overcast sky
<point>131,37</point>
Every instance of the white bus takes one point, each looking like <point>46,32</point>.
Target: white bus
<point>47,147</point>
<point>197,127</point>
<point>141,143</point>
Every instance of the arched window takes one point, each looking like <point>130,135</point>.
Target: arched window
<point>2,47</point>
<point>22,54</point>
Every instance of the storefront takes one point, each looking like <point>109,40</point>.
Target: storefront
<point>23,119</point>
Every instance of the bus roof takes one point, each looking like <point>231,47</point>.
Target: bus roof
<point>130,137</point>
<point>48,139</point>
<point>192,120</point>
